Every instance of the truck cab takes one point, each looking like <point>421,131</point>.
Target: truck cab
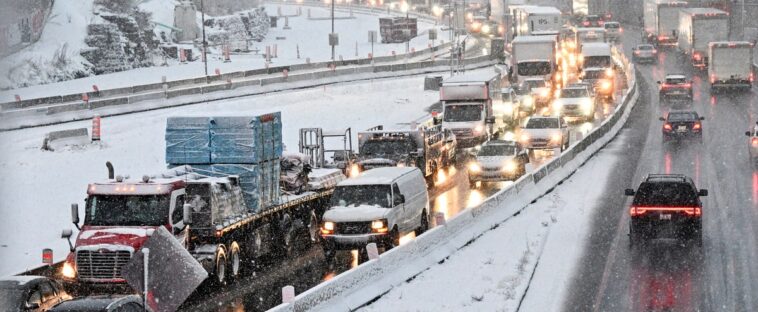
<point>467,102</point>
<point>118,215</point>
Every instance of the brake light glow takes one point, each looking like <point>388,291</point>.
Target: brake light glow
<point>690,211</point>
<point>713,78</point>
<point>586,23</point>
<point>754,141</point>
<point>636,52</point>
<point>751,77</point>
<point>661,38</point>
<point>698,57</point>
<point>696,126</point>
<point>667,126</point>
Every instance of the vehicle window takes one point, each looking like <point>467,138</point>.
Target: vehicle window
<point>127,210</point>
<point>594,74</point>
<point>574,93</point>
<point>456,113</point>
<point>34,297</point>
<point>665,194</point>
<point>388,146</point>
<point>531,84</point>
<point>682,117</point>
<point>47,291</point>
<point>542,123</point>
<point>357,195</point>
<point>178,214</point>
<point>645,47</point>
<point>597,61</point>
<point>534,68</point>
<point>129,307</point>
<point>612,26</point>
<point>396,195</point>
<point>676,81</point>
<point>497,150</point>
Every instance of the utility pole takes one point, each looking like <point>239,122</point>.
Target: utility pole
<point>333,28</point>
<point>205,43</point>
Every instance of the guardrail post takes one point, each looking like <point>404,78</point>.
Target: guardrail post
<point>285,73</point>
<point>85,99</point>
<point>439,218</point>
<point>96,128</point>
<point>372,251</point>
<point>288,294</point>
<point>96,89</point>
<point>18,98</point>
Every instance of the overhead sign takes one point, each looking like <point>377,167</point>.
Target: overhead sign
<point>173,274</point>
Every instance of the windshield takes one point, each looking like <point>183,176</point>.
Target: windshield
<point>497,150</point>
<point>356,195</point>
<point>597,61</point>
<point>682,117</point>
<point>645,47</point>
<point>456,113</point>
<point>541,123</point>
<point>574,93</point>
<point>142,210</point>
<point>612,26</point>
<point>388,146</point>
<point>665,194</point>
<point>534,68</point>
<point>531,84</point>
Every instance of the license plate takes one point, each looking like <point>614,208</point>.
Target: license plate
<point>682,129</point>
<point>665,217</point>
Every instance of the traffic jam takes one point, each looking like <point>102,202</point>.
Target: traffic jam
<point>236,215</point>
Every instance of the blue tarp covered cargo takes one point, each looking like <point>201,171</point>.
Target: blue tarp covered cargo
<point>246,140</point>
<point>259,183</point>
<point>188,140</point>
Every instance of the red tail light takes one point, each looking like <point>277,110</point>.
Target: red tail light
<point>698,57</point>
<point>690,211</point>
<point>655,51</point>
<point>667,126</point>
<point>751,77</point>
<point>713,78</point>
<point>696,126</point>
<point>661,38</point>
<point>586,23</point>
<point>636,52</point>
<point>754,141</point>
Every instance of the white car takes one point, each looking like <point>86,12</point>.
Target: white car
<point>575,102</point>
<point>539,89</point>
<point>379,206</point>
<point>498,160</point>
<point>545,133</point>
<point>613,31</point>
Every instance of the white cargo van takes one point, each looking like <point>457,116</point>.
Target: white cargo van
<point>379,206</point>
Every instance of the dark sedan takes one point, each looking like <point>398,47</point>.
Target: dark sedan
<point>682,125</point>
<point>30,293</point>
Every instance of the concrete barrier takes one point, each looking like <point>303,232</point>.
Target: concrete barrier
<point>146,97</point>
<point>50,110</point>
<point>78,135</point>
<point>108,102</point>
<point>181,92</point>
<point>147,87</point>
<point>214,88</point>
<point>369,281</point>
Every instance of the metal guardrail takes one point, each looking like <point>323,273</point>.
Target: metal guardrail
<point>366,282</point>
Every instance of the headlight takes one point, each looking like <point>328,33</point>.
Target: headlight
<point>379,226</point>
<point>478,129</point>
<point>68,271</point>
<point>327,228</point>
<point>355,171</point>
<point>609,72</point>
<point>527,102</point>
<point>524,138</point>
<point>556,138</point>
<point>587,105</point>
<point>509,166</point>
<point>605,85</point>
<point>557,106</point>
<point>474,167</point>
<point>486,29</point>
<point>545,92</point>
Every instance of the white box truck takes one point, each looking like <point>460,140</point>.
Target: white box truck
<point>661,21</point>
<point>533,57</point>
<point>697,28</point>
<point>537,20</point>
<point>467,106</point>
<point>730,65</point>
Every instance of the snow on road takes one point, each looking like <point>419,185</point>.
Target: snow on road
<point>38,186</point>
<point>493,272</point>
<point>310,37</point>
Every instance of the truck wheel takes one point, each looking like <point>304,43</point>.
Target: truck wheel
<point>393,240</point>
<point>235,263</point>
<point>220,271</point>
<point>313,230</point>
<point>329,255</point>
<point>424,224</point>
<point>635,237</point>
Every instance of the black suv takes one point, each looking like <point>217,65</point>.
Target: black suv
<point>682,125</point>
<point>666,201</point>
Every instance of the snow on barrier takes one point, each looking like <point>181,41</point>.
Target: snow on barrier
<point>366,282</point>
<point>56,138</point>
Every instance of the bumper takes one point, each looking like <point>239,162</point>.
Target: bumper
<point>740,84</point>
<point>84,288</point>
<point>493,176</point>
<point>353,241</point>
<point>668,136</point>
<point>679,225</point>
<point>669,95</point>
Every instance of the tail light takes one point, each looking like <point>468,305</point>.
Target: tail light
<point>754,141</point>
<point>687,85</point>
<point>697,126</point>
<point>752,77</point>
<point>667,127</point>
<point>586,23</point>
<point>690,211</point>
<point>661,38</point>
<point>713,78</point>
<point>636,52</point>
<point>654,51</point>
<point>697,57</point>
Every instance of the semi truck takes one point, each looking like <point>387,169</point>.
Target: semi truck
<point>533,57</point>
<point>220,212</point>
<point>397,29</point>
<point>537,20</point>
<point>661,21</point>
<point>600,8</point>
<point>426,146</point>
<point>467,102</point>
<point>730,65</point>
<point>697,28</point>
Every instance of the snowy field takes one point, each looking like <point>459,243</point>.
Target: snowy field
<point>38,186</point>
<point>68,22</point>
<point>493,272</point>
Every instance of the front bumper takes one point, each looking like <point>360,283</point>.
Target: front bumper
<point>493,176</point>
<point>353,241</point>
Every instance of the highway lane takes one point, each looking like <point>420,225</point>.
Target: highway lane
<point>668,275</point>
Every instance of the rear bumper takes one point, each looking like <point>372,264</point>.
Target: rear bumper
<point>732,84</point>
<point>673,135</point>
<point>653,224</point>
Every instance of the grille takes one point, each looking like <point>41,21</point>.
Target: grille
<point>539,142</point>
<point>354,227</point>
<point>101,264</point>
<point>463,132</point>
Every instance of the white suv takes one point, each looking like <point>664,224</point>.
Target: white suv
<point>379,206</point>
<point>545,133</point>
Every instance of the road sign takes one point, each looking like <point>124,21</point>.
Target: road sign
<point>334,39</point>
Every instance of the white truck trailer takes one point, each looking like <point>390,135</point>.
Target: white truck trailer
<point>697,28</point>
<point>533,57</point>
<point>537,20</point>
<point>730,65</point>
<point>661,21</point>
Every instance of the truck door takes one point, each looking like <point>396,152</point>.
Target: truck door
<point>401,213</point>
<point>176,216</point>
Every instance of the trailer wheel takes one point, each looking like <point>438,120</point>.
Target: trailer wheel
<point>235,261</point>
<point>220,271</point>
<point>313,229</point>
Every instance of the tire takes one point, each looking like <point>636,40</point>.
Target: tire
<point>393,240</point>
<point>235,263</point>
<point>313,230</point>
<point>424,224</point>
<point>220,268</point>
<point>635,235</point>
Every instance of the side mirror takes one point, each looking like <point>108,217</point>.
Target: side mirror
<point>402,199</point>
<point>67,233</point>
<point>702,192</point>
<point>75,215</point>
<point>747,133</point>
<point>702,118</point>
<point>187,214</point>
<point>661,119</point>
<point>489,120</point>
<point>32,306</point>
<point>629,192</point>
<point>658,82</point>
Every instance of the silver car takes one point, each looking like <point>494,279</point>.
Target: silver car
<point>645,53</point>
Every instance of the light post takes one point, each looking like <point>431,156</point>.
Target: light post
<point>404,8</point>
<point>333,28</point>
<point>205,43</point>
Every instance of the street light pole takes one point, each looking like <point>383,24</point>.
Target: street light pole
<point>333,27</point>
<point>205,43</point>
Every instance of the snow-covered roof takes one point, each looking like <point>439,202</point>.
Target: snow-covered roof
<point>472,77</point>
<point>598,29</point>
<point>533,39</point>
<point>731,44</point>
<point>595,48</point>
<point>595,69</point>
<point>542,10</point>
<point>383,175</point>
<point>676,76</point>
